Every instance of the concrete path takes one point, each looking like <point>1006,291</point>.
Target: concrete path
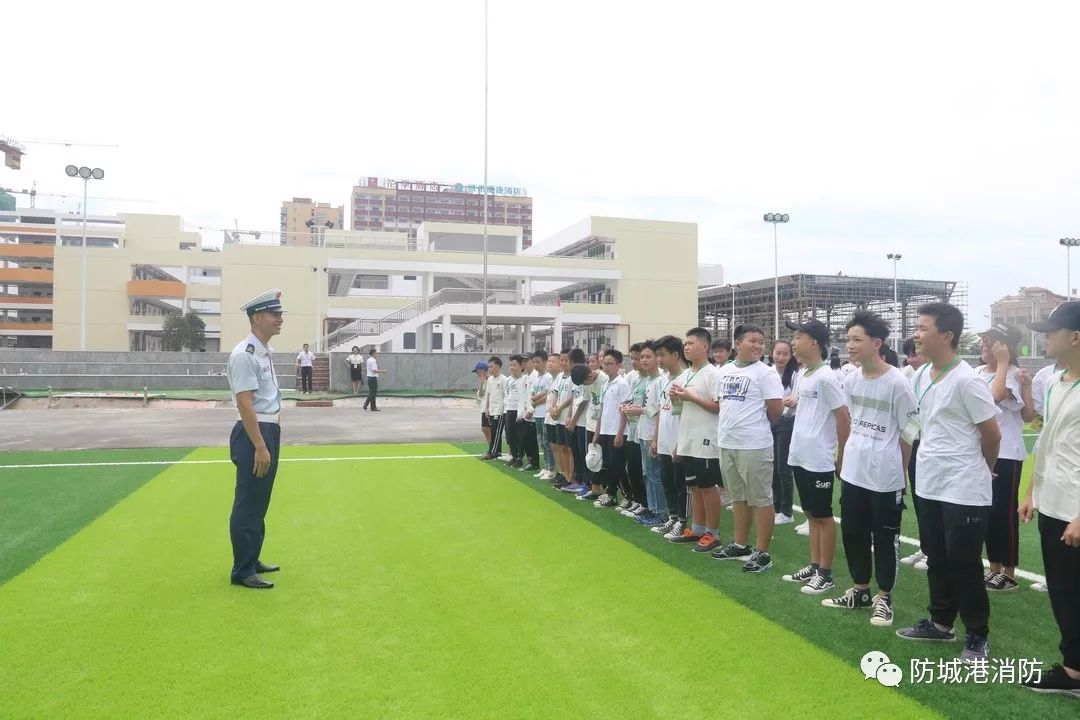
<point>204,427</point>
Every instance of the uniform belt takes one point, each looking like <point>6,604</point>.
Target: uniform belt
<point>267,418</point>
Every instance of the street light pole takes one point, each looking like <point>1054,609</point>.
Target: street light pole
<point>484,319</point>
<point>732,327</point>
<point>86,174</point>
<point>1069,244</point>
<point>775,219</point>
<point>895,257</point>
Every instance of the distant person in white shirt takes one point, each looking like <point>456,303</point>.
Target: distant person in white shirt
<point>305,361</point>
<point>1055,494</point>
<point>355,361</point>
<point>957,421</point>
<point>373,373</point>
<point>1011,388</point>
<point>912,359</point>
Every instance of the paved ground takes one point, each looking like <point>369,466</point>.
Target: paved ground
<point>204,427</point>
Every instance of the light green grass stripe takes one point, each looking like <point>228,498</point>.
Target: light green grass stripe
<point>440,590</point>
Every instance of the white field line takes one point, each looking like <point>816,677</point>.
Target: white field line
<point>914,542</point>
<point>229,462</point>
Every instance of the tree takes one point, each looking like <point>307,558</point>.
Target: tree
<point>970,344</point>
<point>183,332</point>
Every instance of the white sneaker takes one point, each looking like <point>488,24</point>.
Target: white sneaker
<point>1038,587</point>
<point>782,519</point>
<point>675,531</point>
<point>540,474</point>
<point>506,458</point>
<point>921,565</point>
<point>913,558</point>
<point>803,529</point>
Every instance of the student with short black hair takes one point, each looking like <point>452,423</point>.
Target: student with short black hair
<point>515,386</point>
<point>635,506</point>
<point>642,411</point>
<point>495,406</point>
<point>669,355</point>
<point>610,431</point>
<point>720,352</point>
<point>542,401</point>
<point>959,442</point>
<point>783,484</point>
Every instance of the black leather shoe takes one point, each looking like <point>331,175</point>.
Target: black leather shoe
<point>255,582</point>
<point>260,568</point>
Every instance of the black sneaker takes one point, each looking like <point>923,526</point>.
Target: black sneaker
<point>1001,583</point>
<point>800,576</point>
<point>1055,681</point>
<point>853,599</point>
<point>882,613</point>
<point>731,551</point>
<point>759,562</point>
<point>926,630</point>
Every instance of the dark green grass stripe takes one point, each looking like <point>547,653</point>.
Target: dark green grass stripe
<point>1021,622</point>
<point>40,508</point>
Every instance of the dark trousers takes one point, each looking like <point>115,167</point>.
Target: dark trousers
<point>1062,565</point>
<point>498,426</point>
<point>579,446</point>
<point>373,390</point>
<point>530,447</point>
<point>634,473</point>
<point>915,499</point>
<point>246,524</point>
<point>1003,530</point>
<point>783,483</point>
<point>512,434</point>
<point>613,475</point>
<point>674,482</point>
<point>871,533</point>
<point>305,379</point>
<point>952,537</point>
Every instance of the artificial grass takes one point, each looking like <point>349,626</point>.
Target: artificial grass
<point>41,508</point>
<point>428,588</point>
<point>1021,623</point>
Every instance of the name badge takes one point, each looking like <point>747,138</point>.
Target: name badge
<point>912,430</point>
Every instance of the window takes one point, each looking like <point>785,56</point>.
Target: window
<point>372,282</point>
<point>408,341</point>
<point>436,341</point>
<point>410,277</point>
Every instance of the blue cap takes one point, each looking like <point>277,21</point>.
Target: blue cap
<point>269,301</point>
<point>480,366</point>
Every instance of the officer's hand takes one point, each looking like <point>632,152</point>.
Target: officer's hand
<point>262,461</point>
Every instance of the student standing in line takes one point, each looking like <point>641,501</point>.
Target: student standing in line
<point>669,355</point>
<point>548,366</point>
<point>481,371</point>
<point>495,406</point>
<point>821,427</point>
<point>720,352</point>
<point>880,400</point>
<point>1011,389</point>
<point>1055,493</point>
<point>959,440</point>
<point>783,484</point>
<point>643,411</point>
<point>515,386</point>
<point>610,432</point>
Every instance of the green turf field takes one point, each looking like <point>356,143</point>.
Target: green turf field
<point>418,585</point>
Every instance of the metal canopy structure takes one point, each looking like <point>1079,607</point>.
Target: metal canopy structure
<point>831,299</point>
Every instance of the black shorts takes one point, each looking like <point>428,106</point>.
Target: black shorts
<point>702,472</point>
<point>550,432</point>
<point>356,374</point>
<point>560,434</point>
<point>485,421</point>
<point>815,491</point>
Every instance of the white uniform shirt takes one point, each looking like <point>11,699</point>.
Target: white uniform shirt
<point>552,399</point>
<point>1009,421</point>
<point>496,395</point>
<point>667,439</point>
<point>646,424</point>
<point>356,362</point>
<point>306,359</point>
<point>594,395</point>
<point>251,368</point>
<point>372,367</point>
<point>515,388</point>
<point>1056,479</point>
<point>879,411</point>
<point>540,384</point>
<point>697,428</point>
<point>950,459</point>
<point>1038,386</point>
<point>813,438</point>
<point>743,423</point>
<point>616,392</point>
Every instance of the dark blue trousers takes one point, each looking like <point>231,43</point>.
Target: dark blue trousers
<point>246,526</point>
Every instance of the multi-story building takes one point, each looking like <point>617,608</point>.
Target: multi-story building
<point>1029,305</point>
<point>595,284</point>
<point>403,205</point>
<point>296,213</point>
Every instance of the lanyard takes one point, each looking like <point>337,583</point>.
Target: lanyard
<point>810,370</point>
<point>1049,392</point>
<point>944,372</point>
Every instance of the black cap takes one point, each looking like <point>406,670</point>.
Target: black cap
<point>814,328</point>
<point>1005,333</point>
<point>1065,317</point>
<point>579,374</point>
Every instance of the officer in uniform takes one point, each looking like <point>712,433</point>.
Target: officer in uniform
<point>256,437</point>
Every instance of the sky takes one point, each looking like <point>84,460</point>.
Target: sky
<point>946,132</point>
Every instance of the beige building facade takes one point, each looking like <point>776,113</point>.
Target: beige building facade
<point>296,213</point>
<point>601,282</point>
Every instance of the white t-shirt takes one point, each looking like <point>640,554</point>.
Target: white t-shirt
<point>788,391</point>
<point>1038,386</point>
<point>646,424</point>
<point>743,423</point>
<point>1056,479</point>
<point>950,459</point>
<point>514,387</point>
<point>355,361</point>
<point>593,394</point>
<point>697,429</point>
<point>879,411</point>
<point>847,368</point>
<point>552,399</point>
<point>372,368</point>
<point>540,384</point>
<point>813,438</point>
<point>496,395</point>
<point>667,439</point>
<point>306,359</point>
<point>908,371</point>
<point>566,392</point>
<point>616,392</point>
<point>639,387</point>
<point>481,392</point>
<point>1009,421</point>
